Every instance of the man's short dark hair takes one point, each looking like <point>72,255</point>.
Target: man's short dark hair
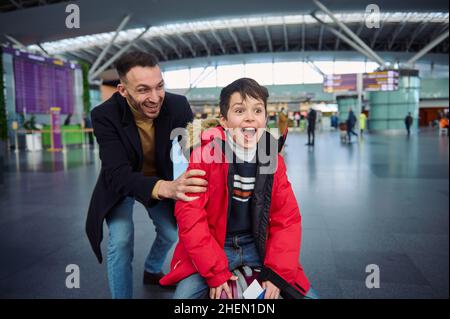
<point>245,87</point>
<point>136,58</point>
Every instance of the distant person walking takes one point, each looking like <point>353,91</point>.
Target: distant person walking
<point>282,121</point>
<point>362,122</point>
<point>297,118</point>
<point>87,124</point>
<point>311,118</point>
<point>68,119</point>
<point>443,123</point>
<point>408,123</point>
<point>351,121</point>
<point>334,121</point>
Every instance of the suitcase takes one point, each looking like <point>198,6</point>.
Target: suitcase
<point>245,275</point>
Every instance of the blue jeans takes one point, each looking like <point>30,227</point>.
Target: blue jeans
<point>241,251</point>
<point>121,244</point>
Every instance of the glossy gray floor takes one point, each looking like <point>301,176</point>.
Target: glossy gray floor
<point>383,200</point>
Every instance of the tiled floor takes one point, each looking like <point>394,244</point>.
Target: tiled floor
<point>383,200</point>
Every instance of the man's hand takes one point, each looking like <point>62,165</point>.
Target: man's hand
<point>214,293</point>
<point>186,183</point>
<point>272,291</point>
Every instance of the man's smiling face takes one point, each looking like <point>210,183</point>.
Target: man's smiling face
<point>143,87</point>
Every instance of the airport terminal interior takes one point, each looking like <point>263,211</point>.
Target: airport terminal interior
<point>375,200</point>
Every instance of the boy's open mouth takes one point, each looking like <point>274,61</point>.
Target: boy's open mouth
<point>248,132</point>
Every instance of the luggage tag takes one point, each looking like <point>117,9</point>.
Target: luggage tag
<point>254,291</point>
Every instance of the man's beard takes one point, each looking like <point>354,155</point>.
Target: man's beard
<point>133,103</point>
<point>141,107</point>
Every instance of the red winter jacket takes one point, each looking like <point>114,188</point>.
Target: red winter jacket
<point>276,224</point>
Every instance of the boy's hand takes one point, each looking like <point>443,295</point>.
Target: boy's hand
<point>272,291</point>
<point>214,293</point>
<point>186,183</point>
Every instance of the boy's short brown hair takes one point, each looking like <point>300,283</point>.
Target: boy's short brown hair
<point>246,87</point>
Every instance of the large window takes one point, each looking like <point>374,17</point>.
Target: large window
<point>228,73</point>
<point>288,73</point>
<point>261,72</point>
<point>276,73</point>
<point>177,79</point>
<point>204,77</point>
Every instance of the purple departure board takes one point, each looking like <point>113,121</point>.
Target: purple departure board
<point>339,83</point>
<point>42,83</point>
<point>381,81</point>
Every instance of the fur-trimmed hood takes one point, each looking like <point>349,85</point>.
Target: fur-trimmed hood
<point>194,138</point>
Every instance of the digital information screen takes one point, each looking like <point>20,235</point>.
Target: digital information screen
<point>381,81</point>
<point>42,83</point>
<point>339,83</point>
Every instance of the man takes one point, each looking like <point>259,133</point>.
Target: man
<point>311,118</point>
<point>133,132</point>
<point>351,121</point>
<point>408,123</point>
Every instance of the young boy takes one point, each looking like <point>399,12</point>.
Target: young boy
<point>247,216</point>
